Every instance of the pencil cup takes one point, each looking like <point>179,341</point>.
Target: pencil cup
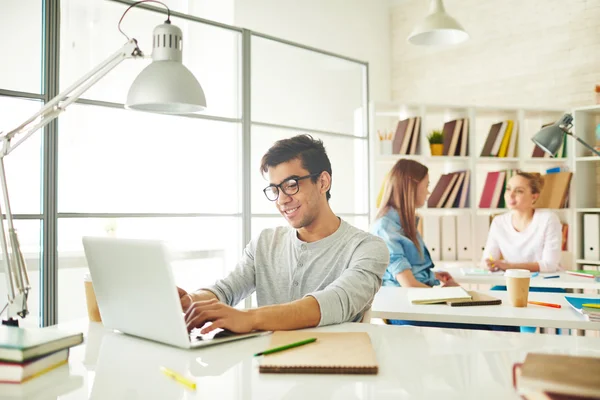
<point>90,299</point>
<point>385,147</point>
<point>517,286</point>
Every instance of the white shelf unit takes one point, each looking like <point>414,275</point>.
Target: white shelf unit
<point>585,196</point>
<point>385,116</point>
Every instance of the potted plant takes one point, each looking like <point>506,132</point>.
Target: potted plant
<point>436,143</point>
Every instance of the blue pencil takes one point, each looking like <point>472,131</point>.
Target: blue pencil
<point>552,276</point>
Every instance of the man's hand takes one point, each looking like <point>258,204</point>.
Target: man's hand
<point>221,316</point>
<point>185,298</point>
<point>443,277</point>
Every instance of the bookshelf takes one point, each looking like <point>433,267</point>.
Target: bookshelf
<point>585,188</point>
<point>384,117</point>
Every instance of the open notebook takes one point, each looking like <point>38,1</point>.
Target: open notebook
<point>332,353</point>
<point>437,295</point>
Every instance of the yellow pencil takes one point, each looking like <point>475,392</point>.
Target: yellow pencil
<point>591,305</point>
<point>179,378</point>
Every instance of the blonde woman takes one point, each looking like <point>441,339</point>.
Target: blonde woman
<point>526,237</point>
<point>405,190</point>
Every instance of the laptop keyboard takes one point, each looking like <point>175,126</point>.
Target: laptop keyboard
<point>218,333</point>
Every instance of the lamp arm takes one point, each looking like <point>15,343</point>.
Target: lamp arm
<point>596,152</point>
<point>17,278</point>
<point>54,107</point>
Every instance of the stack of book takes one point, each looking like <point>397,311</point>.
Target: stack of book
<point>557,376</point>
<point>588,307</point>
<point>501,140</point>
<point>555,193</point>
<point>494,188</point>
<point>26,353</point>
<point>406,138</point>
<point>451,191</point>
<point>456,137</point>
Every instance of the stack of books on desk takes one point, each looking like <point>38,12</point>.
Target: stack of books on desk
<point>557,376</point>
<point>589,307</point>
<point>26,353</point>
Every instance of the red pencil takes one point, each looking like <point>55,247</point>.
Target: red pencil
<point>539,303</point>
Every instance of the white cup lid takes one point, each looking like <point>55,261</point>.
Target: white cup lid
<point>517,273</point>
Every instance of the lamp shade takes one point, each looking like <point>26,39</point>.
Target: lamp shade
<point>438,28</point>
<point>550,138</point>
<point>166,85</point>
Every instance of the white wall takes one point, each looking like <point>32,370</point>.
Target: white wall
<point>542,53</point>
<point>355,28</point>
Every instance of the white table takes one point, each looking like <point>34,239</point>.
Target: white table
<point>565,281</point>
<point>392,303</point>
<point>414,363</point>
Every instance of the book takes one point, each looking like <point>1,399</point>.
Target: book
<point>399,135</point>
<point>23,344</point>
<point>414,143</point>
<point>558,373</point>
<point>491,139</point>
<point>479,272</point>
<point>55,383</point>
<point>584,273</point>
<point>14,372</point>
<point>436,295</point>
<point>477,299</point>
<point>506,139</point>
<point>451,133</point>
<point>331,353</point>
<point>554,192</point>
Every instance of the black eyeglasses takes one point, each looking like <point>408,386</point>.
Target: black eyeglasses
<point>290,187</point>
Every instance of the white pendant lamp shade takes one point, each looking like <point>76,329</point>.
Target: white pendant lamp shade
<point>438,28</point>
<point>166,85</point>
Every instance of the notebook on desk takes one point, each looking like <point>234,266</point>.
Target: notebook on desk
<point>437,295</point>
<point>331,353</point>
<point>477,299</point>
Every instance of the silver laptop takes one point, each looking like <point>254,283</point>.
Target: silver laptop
<point>136,292</point>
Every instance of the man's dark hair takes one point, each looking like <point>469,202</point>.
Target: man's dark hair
<point>303,147</point>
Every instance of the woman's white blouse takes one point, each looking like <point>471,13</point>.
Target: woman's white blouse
<point>540,242</point>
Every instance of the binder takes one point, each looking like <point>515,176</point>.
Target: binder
<point>431,236</point>
<point>332,353</point>
<point>448,238</point>
<point>482,228</point>
<point>591,237</point>
<point>463,237</point>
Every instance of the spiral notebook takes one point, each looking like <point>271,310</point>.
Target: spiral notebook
<point>331,353</point>
<point>477,299</point>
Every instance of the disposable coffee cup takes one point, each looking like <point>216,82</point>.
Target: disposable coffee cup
<point>90,299</point>
<point>517,286</point>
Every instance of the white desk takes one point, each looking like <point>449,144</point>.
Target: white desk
<point>392,303</point>
<point>415,363</point>
<point>565,281</point>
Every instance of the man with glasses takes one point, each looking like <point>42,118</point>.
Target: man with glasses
<point>319,271</point>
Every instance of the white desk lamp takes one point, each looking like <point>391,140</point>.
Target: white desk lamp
<point>551,137</point>
<point>165,86</point>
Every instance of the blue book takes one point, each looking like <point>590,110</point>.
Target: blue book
<point>556,170</point>
<point>578,302</point>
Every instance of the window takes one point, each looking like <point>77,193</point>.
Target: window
<point>179,179</point>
